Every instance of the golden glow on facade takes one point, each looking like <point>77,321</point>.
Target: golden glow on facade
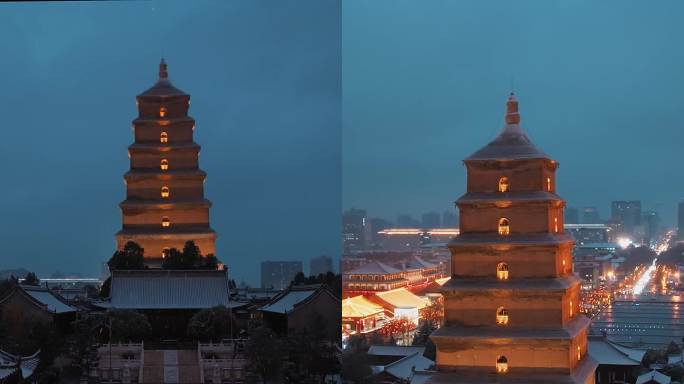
<point>502,364</point>
<point>502,271</point>
<point>166,222</point>
<point>504,226</point>
<point>163,137</point>
<point>502,316</point>
<point>164,164</point>
<point>165,191</point>
<point>162,112</point>
<point>503,184</point>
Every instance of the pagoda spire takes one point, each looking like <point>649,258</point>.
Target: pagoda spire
<point>163,72</point>
<point>512,115</point>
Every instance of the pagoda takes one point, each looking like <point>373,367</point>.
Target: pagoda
<point>512,304</point>
<point>165,204</point>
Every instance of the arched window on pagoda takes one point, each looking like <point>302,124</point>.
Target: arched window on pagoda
<point>579,353</point>
<point>501,364</point>
<point>165,191</point>
<point>503,184</point>
<point>166,222</point>
<point>502,271</point>
<point>164,164</point>
<point>502,316</point>
<point>548,184</point>
<point>163,137</point>
<point>504,226</point>
<point>555,225</point>
<point>572,309</point>
<point>162,111</point>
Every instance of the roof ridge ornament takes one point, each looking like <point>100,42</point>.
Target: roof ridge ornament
<point>512,115</point>
<point>163,72</point>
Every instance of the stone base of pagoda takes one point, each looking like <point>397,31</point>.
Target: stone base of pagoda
<point>582,374</point>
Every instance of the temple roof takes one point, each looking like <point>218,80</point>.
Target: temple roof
<point>606,353</point>
<point>512,143</point>
<point>168,289</point>
<point>373,268</point>
<point>163,87</point>
<point>359,306</point>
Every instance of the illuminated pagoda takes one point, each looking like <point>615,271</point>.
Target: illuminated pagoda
<point>512,304</point>
<point>165,204</point>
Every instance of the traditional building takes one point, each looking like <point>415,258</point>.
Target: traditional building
<point>165,204</point>
<point>512,305</point>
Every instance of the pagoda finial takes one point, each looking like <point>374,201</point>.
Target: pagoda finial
<point>512,115</point>
<point>163,73</point>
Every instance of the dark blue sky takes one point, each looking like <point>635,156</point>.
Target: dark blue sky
<point>600,84</point>
<point>265,84</point>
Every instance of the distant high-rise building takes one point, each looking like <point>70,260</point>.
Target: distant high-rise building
<point>680,221</point>
<point>651,222</point>
<point>449,220</point>
<point>571,215</point>
<point>377,225</point>
<point>279,274</point>
<point>320,264</point>
<point>354,229</point>
<point>406,221</point>
<point>590,215</point>
<point>626,213</point>
<point>431,220</point>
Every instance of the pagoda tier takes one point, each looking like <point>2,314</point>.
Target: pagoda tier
<point>165,204</point>
<point>512,305</point>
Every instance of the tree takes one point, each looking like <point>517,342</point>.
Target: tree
<point>398,326</point>
<point>673,348</point>
<point>653,356</point>
<point>130,257</point>
<point>128,325</point>
<point>434,314</point>
<point>189,258</point>
<point>355,366</point>
<point>31,279</point>
<point>211,324</point>
<point>263,352</point>
<point>105,289</point>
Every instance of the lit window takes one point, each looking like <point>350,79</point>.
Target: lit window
<point>166,222</point>
<point>504,228</point>
<point>571,308</point>
<point>164,164</point>
<point>502,364</point>
<point>579,353</point>
<point>555,224</point>
<point>162,112</point>
<point>503,184</point>
<point>164,137</point>
<point>548,184</point>
<point>165,191</point>
<point>502,271</point>
<point>502,316</point>
<point>165,252</point>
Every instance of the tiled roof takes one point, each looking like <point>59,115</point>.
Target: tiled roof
<point>402,298</point>
<point>653,377</point>
<point>394,350</point>
<point>605,353</point>
<point>359,306</point>
<point>169,289</point>
<point>373,268</point>
<point>404,368</point>
<point>48,298</point>
<point>290,298</point>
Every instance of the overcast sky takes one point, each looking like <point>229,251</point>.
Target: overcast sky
<point>265,84</point>
<point>600,84</point>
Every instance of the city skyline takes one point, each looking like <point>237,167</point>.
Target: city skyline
<point>610,115</point>
<point>69,94</point>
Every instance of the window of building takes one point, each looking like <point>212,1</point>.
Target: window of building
<point>502,364</point>
<point>504,227</point>
<point>503,184</point>
<point>162,112</point>
<point>502,316</point>
<point>579,353</point>
<point>165,191</point>
<point>164,164</point>
<point>502,271</point>
<point>548,184</point>
<point>571,308</point>
<point>555,224</point>
<point>166,222</point>
<point>164,138</point>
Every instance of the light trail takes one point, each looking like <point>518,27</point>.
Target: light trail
<point>644,278</point>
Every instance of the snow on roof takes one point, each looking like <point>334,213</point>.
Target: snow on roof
<point>402,298</point>
<point>404,368</point>
<point>169,289</point>
<point>287,300</point>
<point>653,376</point>
<point>632,353</point>
<point>421,377</point>
<point>27,364</point>
<point>373,268</point>
<point>605,353</point>
<point>394,350</point>
<point>48,298</point>
<point>359,306</point>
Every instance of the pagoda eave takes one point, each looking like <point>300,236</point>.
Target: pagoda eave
<point>514,240</point>
<point>175,233</point>
<point>156,147</point>
<point>500,199</point>
<point>165,204</point>
<point>493,286</point>
<point>146,174</point>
